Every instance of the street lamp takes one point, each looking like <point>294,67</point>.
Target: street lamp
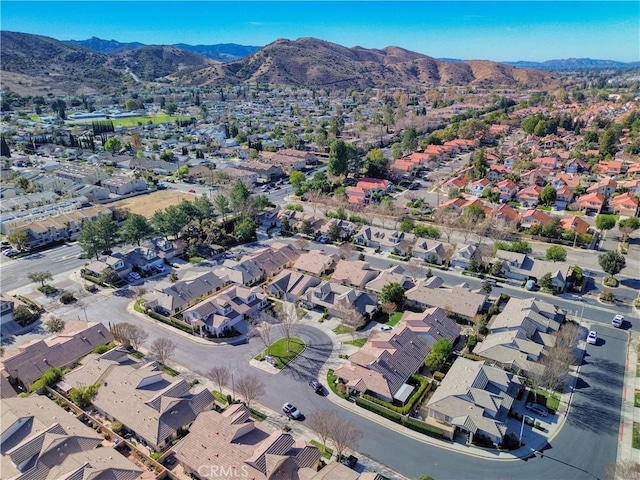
<point>233,386</point>
<point>522,427</point>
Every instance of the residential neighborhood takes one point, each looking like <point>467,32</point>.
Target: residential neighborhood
<point>272,280</point>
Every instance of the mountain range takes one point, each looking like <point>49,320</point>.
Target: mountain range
<point>34,64</point>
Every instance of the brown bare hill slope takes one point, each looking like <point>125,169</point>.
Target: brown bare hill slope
<point>38,64</point>
<point>317,63</point>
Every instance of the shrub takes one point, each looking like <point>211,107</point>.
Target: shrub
<point>117,427</point>
<point>379,409</point>
<point>610,282</point>
<point>48,379</point>
<point>607,296</point>
<point>47,289</point>
<point>67,298</point>
<point>24,316</point>
<point>438,376</point>
<point>471,342</point>
<point>405,409</point>
<point>422,427</point>
<point>100,349</point>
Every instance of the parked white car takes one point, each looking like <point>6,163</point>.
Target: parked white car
<point>592,338</point>
<point>617,321</point>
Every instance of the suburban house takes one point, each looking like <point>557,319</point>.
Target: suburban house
<point>383,239</point>
<point>394,274</point>
<point>347,229</point>
<point>462,256</point>
<point>475,399</point>
<point>384,364</point>
<point>529,196</point>
<point>455,184</point>
<point>478,187</point>
<point>591,202</point>
<point>247,273</point>
<point>605,187</point>
<point>633,186</point>
<point>507,188</point>
<point>506,213</point>
<point>238,445</point>
<point>354,273</point>
<point>575,223</point>
<point>155,406</point>
<point>98,267</point>
<point>273,259</point>
<point>289,284</point>
<point>169,298</point>
<point>611,167</point>
<point>431,325</point>
<point>519,334</point>
<point>315,263</point>
<point>27,363</point>
<point>433,251</point>
<point>223,311</point>
<point>459,300</point>
<point>141,257</point>
<point>40,440</point>
<point>374,185</point>
<point>624,204</point>
<point>521,266</point>
<point>357,195</point>
<point>564,196</point>
<point>537,176</point>
<point>535,217</point>
<point>337,299</point>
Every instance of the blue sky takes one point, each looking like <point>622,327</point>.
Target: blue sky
<point>499,30</point>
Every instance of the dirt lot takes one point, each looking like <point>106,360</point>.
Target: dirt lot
<point>148,204</point>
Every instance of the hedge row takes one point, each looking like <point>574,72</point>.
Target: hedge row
<point>410,423</point>
<point>404,410</point>
<point>379,409</point>
<point>30,302</point>
<point>171,322</point>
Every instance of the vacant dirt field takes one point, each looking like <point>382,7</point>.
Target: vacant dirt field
<point>150,203</point>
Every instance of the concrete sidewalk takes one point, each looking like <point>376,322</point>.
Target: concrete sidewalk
<point>629,414</point>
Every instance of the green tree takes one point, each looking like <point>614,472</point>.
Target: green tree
<point>339,155</point>
<point>40,277</point>
<point>113,145</point>
<point>109,277</point>
<point>245,229</point>
<point>406,225</point>
<point>203,209</point>
<point>182,170</point>
<point>605,222</point>
<point>171,108</point>
<point>18,239</point>
<point>306,228</point>
<point>545,281</point>
<point>480,164</point>
<point>297,178</point>
<point>131,104</point>
<point>393,292</point>
<point>333,233</point>
<point>548,195</point>
<point>628,226</point>
<point>98,235</point>
<point>135,229</point>
<point>438,355</point>
<point>170,221</point>
<point>410,140</point>
<point>612,262</point>
<point>221,205</point>
<point>607,143</point>
<point>239,193</point>
<point>556,253</point>
<point>376,164</point>
<point>82,395</point>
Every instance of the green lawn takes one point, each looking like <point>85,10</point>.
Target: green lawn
<point>395,318</point>
<point>636,435</point>
<point>552,401</point>
<point>331,381</point>
<point>278,351</point>
<point>326,452</point>
<point>220,397</point>
<point>636,400</point>
<point>358,342</point>
<point>170,371</point>
<point>340,329</point>
<point>258,415</point>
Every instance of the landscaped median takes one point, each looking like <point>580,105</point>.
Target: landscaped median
<point>283,352</point>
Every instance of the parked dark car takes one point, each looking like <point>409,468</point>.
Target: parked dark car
<point>349,461</point>
<point>316,385</point>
